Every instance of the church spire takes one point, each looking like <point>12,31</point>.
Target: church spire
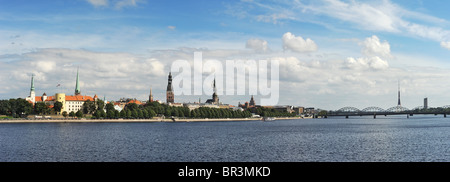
<point>32,83</point>
<point>150,99</point>
<point>77,85</point>
<point>215,97</point>
<point>169,93</point>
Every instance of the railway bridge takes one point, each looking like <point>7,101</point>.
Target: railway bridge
<point>397,110</point>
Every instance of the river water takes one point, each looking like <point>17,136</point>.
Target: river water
<point>357,139</point>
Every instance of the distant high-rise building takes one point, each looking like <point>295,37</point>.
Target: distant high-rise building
<point>169,93</point>
<point>425,103</point>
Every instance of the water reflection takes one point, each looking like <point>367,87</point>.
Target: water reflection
<point>333,139</point>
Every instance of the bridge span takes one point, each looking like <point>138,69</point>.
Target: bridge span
<point>397,110</point>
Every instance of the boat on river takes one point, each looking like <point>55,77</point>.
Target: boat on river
<point>268,119</point>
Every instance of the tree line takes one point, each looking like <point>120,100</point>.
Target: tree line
<point>16,108</point>
<point>150,110</point>
<point>98,109</point>
<point>270,112</point>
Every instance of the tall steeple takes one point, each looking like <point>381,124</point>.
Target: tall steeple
<point>215,96</point>
<point>399,103</point>
<point>77,85</point>
<point>169,93</point>
<point>252,102</point>
<point>32,96</point>
<point>150,98</point>
<point>32,83</point>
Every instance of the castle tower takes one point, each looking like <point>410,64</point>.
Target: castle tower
<point>169,93</point>
<point>61,97</point>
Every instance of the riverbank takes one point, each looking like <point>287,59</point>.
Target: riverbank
<point>134,120</point>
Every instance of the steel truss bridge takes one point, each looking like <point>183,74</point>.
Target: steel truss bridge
<point>397,110</point>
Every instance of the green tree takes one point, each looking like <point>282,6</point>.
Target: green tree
<point>110,114</point>
<point>79,114</point>
<point>96,115</point>
<point>323,113</point>
<point>140,115</point>
<point>174,112</point>
<point>131,106</point>
<point>145,114</point>
<point>40,108</point>
<point>72,114</point>
<point>88,107</point>
<point>128,114</point>
<point>64,113</point>
<point>57,106</point>
<point>109,107</point>
<point>16,107</point>
<point>168,112</point>
<point>134,114</point>
<point>123,114</point>
<point>4,107</point>
<point>99,104</point>
<point>116,114</point>
<point>151,113</point>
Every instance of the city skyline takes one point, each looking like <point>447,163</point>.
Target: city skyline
<point>332,53</point>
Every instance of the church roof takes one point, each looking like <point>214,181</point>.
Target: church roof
<point>136,102</point>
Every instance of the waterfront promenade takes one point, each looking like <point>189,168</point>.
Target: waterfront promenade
<point>61,120</point>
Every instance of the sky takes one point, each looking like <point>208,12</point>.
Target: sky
<point>331,53</point>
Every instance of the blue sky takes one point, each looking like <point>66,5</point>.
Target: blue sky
<point>358,50</point>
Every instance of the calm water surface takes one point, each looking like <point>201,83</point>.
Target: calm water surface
<point>395,138</point>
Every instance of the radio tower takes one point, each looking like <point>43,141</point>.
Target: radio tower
<point>399,103</point>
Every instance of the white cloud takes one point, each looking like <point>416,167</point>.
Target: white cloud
<point>98,3</point>
<point>113,74</point>
<point>118,4</point>
<point>171,27</point>
<point>257,45</point>
<point>44,66</point>
<point>298,44</point>
<point>374,63</point>
<point>125,3</point>
<point>373,47</point>
<point>381,16</point>
<point>445,45</point>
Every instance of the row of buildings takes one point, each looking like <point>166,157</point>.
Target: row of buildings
<point>75,102</point>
